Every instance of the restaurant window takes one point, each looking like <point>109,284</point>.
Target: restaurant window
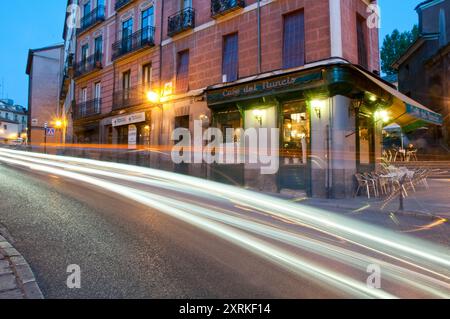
<point>296,132</point>
<point>147,75</point>
<point>230,65</point>
<point>294,40</point>
<point>229,122</point>
<point>362,42</point>
<point>183,71</point>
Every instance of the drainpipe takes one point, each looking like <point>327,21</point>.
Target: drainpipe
<point>259,37</point>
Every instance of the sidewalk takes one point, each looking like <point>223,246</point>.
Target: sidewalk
<point>432,202</point>
<point>17,281</point>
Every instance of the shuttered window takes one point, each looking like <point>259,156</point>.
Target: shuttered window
<point>294,40</point>
<point>230,58</point>
<point>183,71</point>
<point>362,43</point>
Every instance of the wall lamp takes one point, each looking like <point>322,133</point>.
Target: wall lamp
<point>153,97</point>
<point>317,106</point>
<point>259,115</point>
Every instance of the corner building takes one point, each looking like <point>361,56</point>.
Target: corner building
<point>307,67</point>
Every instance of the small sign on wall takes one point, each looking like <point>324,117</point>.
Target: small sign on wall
<point>34,122</point>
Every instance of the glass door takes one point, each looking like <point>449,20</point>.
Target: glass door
<point>147,21</point>
<point>127,31</point>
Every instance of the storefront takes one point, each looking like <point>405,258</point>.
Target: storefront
<point>132,130</point>
<point>330,118</point>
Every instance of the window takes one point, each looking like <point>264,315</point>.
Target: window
<point>183,71</point>
<point>126,84</point>
<point>362,44</point>
<point>87,8</point>
<point>442,28</point>
<point>147,75</point>
<point>294,40</point>
<point>5,127</point>
<point>83,97</point>
<point>98,49</point>
<point>98,95</point>
<point>127,31</point>
<point>186,4</point>
<point>147,21</point>
<point>84,53</point>
<point>230,64</point>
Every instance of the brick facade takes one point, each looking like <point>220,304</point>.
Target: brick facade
<point>205,45</point>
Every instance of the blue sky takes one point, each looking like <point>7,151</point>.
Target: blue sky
<point>26,24</point>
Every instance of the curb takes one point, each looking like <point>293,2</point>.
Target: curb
<point>22,271</point>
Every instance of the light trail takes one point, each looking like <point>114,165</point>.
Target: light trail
<point>271,240</point>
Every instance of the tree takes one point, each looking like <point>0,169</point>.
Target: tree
<point>394,46</point>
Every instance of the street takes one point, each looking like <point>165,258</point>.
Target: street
<point>139,233</point>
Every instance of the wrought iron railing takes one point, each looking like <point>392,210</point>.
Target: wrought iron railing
<point>90,64</point>
<point>221,7</point>
<point>133,96</point>
<point>140,39</point>
<point>92,18</point>
<point>121,3</point>
<point>181,21</point>
<point>87,109</point>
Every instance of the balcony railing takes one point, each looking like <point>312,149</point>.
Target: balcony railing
<point>87,109</point>
<point>133,96</point>
<point>221,7</point>
<point>181,21</point>
<point>138,40</point>
<point>92,18</point>
<point>121,3</point>
<point>92,63</point>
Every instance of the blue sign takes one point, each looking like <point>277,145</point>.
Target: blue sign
<point>50,131</point>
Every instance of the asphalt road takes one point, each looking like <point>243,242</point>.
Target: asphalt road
<point>130,250</point>
<point>126,250</point>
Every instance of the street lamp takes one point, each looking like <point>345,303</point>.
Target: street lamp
<point>153,97</point>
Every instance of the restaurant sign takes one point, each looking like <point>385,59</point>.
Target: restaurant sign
<point>128,119</point>
<point>425,115</point>
<point>275,85</point>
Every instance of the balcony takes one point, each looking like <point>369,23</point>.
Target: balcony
<point>222,7</point>
<point>138,40</point>
<point>91,64</point>
<point>92,18</point>
<point>87,109</point>
<point>181,21</point>
<point>122,3</point>
<point>133,96</point>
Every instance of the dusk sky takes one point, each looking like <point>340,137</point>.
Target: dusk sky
<point>26,24</point>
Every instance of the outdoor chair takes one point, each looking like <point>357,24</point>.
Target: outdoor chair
<point>366,184</point>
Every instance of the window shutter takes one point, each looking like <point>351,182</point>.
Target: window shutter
<point>294,40</point>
